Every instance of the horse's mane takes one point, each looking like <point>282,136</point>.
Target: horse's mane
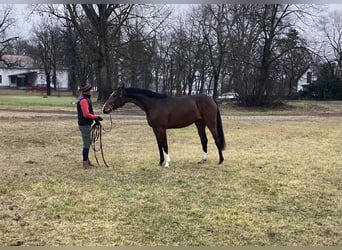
<point>145,92</point>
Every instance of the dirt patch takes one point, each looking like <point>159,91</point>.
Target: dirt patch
<point>12,115</point>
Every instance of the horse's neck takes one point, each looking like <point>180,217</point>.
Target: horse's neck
<point>143,102</point>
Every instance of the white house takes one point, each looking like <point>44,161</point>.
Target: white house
<point>21,72</point>
<point>307,78</point>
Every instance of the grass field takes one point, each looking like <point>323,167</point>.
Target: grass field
<point>296,107</point>
<point>280,184</point>
<point>25,101</point>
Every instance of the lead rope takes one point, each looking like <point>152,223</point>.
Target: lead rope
<point>95,135</point>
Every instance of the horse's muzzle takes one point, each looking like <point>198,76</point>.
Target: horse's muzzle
<point>106,110</point>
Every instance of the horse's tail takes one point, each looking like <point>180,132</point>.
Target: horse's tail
<point>222,141</point>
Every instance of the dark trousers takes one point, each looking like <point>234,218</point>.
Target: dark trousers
<point>85,132</point>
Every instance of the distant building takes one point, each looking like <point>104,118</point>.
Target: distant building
<point>307,78</point>
<point>21,72</point>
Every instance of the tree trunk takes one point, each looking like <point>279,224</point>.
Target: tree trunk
<point>48,82</point>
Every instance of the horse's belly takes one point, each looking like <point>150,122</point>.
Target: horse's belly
<point>180,125</point>
<point>183,120</point>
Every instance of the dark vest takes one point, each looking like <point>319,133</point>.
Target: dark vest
<point>81,119</point>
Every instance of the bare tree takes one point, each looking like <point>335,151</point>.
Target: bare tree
<point>214,29</point>
<point>195,56</point>
<point>105,30</point>
<point>99,17</point>
<point>296,60</point>
<point>252,49</point>
<point>6,21</point>
<point>99,28</point>
<point>258,47</point>
<point>241,59</point>
<point>42,50</point>
<point>331,28</point>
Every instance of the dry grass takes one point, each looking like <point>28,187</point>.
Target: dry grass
<point>279,185</point>
<point>292,107</point>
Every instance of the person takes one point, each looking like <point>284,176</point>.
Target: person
<point>86,117</point>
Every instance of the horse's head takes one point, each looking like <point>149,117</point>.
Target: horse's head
<point>115,100</point>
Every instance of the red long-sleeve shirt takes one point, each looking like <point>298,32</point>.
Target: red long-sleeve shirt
<point>85,110</point>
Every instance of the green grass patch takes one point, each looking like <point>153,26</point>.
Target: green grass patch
<point>27,101</point>
<point>296,107</point>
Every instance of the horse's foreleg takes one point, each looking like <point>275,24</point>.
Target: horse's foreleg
<point>166,151</point>
<point>162,146</point>
<point>204,140</point>
<point>161,153</point>
<point>167,164</point>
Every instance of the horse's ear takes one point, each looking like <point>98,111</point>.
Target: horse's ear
<point>120,89</point>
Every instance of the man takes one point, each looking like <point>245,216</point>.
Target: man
<point>86,116</point>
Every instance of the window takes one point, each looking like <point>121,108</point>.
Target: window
<point>309,77</point>
<point>13,80</point>
<point>0,79</point>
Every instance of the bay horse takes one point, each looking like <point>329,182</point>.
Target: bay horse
<point>164,112</point>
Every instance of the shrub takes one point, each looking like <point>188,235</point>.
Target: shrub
<point>325,89</point>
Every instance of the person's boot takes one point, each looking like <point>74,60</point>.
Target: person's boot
<point>87,164</point>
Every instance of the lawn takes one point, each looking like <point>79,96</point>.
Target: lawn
<point>280,184</point>
<point>28,101</point>
<point>293,107</point>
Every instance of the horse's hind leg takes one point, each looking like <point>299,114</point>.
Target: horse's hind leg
<point>213,130</point>
<point>200,124</point>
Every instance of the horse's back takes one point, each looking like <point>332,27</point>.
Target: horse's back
<point>205,102</point>
<point>207,107</point>
<point>196,103</point>
<point>202,97</point>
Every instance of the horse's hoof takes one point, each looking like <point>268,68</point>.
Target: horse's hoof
<point>202,161</point>
<point>220,162</point>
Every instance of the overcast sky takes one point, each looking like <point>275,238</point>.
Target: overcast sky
<point>25,22</point>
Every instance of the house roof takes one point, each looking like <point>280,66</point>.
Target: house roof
<point>16,61</point>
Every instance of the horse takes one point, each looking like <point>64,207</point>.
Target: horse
<point>167,112</point>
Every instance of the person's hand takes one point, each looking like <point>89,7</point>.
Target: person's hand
<point>98,119</point>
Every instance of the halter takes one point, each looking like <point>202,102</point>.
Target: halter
<point>111,107</point>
